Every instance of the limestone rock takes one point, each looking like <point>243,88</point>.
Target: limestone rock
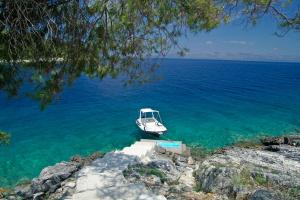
<point>70,184</point>
<point>66,190</point>
<point>181,159</point>
<point>24,191</point>
<point>292,140</point>
<point>191,161</point>
<point>161,150</point>
<point>217,179</point>
<point>152,180</point>
<point>272,141</point>
<point>38,196</point>
<point>236,172</point>
<point>273,148</point>
<point>51,177</point>
<point>48,181</point>
<point>163,164</point>
<point>231,173</point>
<point>261,194</point>
<point>82,161</point>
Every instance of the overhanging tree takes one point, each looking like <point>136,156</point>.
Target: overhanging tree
<point>49,43</point>
<point>4,138</point>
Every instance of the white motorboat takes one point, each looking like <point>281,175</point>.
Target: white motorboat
<point>150,121</point>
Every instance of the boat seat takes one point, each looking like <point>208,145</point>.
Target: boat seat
<point>147,120</point>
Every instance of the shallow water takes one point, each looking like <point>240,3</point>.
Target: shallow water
<point>208,103</point>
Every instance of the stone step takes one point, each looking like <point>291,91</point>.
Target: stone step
<point>122,192</point>
<point>143,146</point>
<point>146,144</point>
<point>136,151</point>
<point>104,179</point>
<point>100,180</point>
<point>140,149</point>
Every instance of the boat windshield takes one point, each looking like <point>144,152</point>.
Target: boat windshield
<point>148,117</point>
<point>156,116</point>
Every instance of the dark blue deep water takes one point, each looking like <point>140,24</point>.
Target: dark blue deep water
<point>208,103</point>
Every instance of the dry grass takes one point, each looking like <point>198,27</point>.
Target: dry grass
<point>199,196</point>
<point>249,144</point>
<point>4,192</point>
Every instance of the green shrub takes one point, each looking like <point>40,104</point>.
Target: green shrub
<point>243,178</point>
<point>260,179</point>
<point>175,182</point>
<point>199,152</point>
<point>294,192</point>
<point>145,170</point>
<point>198,187</point>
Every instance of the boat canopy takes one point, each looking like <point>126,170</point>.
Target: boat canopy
<point>145,110</point>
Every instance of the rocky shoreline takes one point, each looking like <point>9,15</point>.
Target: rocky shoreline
<point>53,182</point>
<point>266,170</point>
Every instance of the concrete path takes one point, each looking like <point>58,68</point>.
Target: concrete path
<point>104,179</point>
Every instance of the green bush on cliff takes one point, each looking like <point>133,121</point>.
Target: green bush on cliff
<point>199,152</point>
<point>145,170</point>
<point>253,144</point>
<point>243,178</point>
<point>260,179</point>
<point>293,192</point>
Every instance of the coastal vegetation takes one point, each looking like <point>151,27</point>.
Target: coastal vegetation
<point>254,143</point>
<point>199,152</point>
<point>145,171</point>
<point>48,44</point>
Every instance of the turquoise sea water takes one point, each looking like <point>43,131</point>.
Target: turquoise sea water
<point>210,103</point>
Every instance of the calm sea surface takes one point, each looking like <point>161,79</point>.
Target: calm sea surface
<point>208,103</point>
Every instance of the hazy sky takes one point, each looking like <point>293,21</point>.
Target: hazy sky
<point>236,41</point>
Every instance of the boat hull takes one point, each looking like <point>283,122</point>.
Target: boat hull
<point>155,129</point>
